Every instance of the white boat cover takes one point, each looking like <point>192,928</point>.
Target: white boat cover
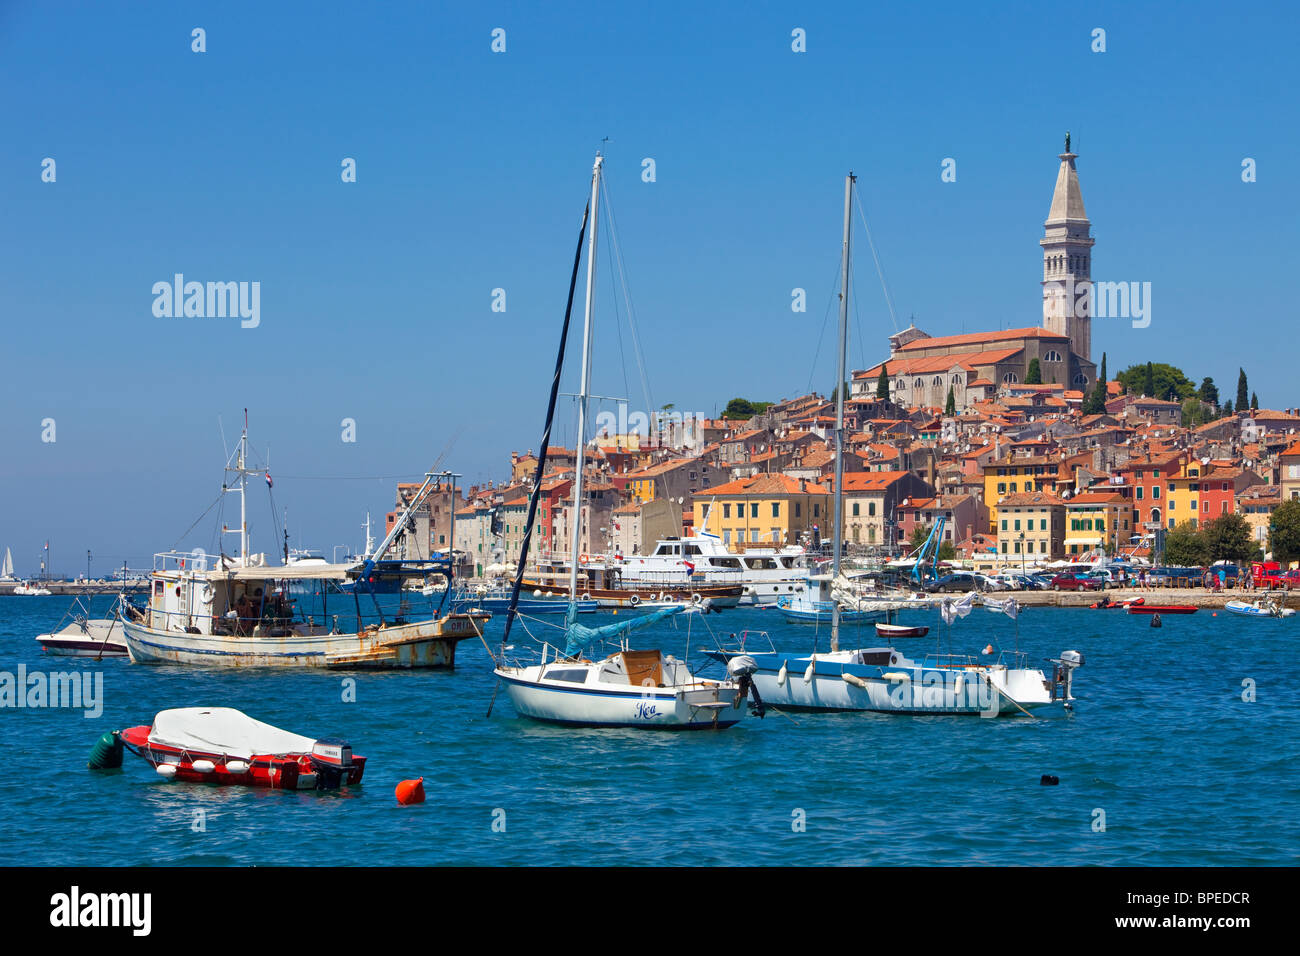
<point>223,730</point>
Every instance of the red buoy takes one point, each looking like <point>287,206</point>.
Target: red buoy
<point>410,791</point>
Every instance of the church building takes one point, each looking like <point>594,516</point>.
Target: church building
<point>922,368</point>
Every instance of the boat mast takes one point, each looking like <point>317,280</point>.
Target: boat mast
<point>839,411</point>
<point>585,386</point>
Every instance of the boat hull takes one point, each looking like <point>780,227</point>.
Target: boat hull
<point>706,706</point>
<point>1162,609</point>
<point>96,639</point>
<point>424,644</point>
<point>274,771</point>
<point>909,689</point>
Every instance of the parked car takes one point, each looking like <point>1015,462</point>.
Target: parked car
<point>1075,582</point>
<point>958,581</point>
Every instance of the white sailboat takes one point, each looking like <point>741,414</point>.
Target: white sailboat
<point>7,568</point>
<point>880,678</point>
<point>642,689</point>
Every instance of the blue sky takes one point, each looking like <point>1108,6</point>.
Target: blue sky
<point>472,168</point>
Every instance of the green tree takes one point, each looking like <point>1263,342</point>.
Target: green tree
<point>1034,376</point>
<point>739,408</point>
<point>947,552</point>
<point>1103,378</point>
<point>1227,538</point>
<point>919,533</point>
<point>1254,402</point>
<point>1242,392</point>
<point>1185,546</point>
<point>1208,392</point>
<point>835,392</point>
<point>882,383</point>
<point>1284,531</point>
<point>1227,409</point>
<point>1194,413</point>
<point>951,407</point>
<point>1157,380</point>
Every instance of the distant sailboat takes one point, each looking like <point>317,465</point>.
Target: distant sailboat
<point>7,569</point>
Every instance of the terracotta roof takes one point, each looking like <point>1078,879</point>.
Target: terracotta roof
<point>1030,498</point>
<point>777,484</point>
<point>872,480</point>
<point>980,338</point>
<point>929,364</point>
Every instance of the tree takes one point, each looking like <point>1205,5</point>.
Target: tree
<point>951,407</point>
<point>1227,409</point>
<point>1284,531</point>
<point>1242,392</point>
<point>947,552</point>
<point>919,533</point>
<point>1208,392</point>
<point>739,408</point>
<point>1227,538</point>
<point>1034,376</point>
<point>1103,378</point>
<point>882,383</point>
<point>1185,546</point>
<point>1158,380</point>
<point>835,392</point>
<point>1194,413</point>
<point>1254,402</point>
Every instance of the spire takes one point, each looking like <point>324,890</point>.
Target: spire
<point>1067,198</point>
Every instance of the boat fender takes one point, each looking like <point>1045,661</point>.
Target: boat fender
<point>204,766</point>
<point>237,766</point>
<point>167,770</point>
<point>855,680</point>
<point>958,686</point>
<point>812,669</point>
<point>781,675</point>
<point>537,592</point>
<point>634,600</point>
<point>107,752</point>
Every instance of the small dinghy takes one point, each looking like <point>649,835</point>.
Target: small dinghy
<point>890,631</point>
<point>1263,608</point>
<point>1162,609</point>
<point>224,745</point>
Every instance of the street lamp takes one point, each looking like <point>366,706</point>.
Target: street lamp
<point>1022,552</point>
<point>87,565</point>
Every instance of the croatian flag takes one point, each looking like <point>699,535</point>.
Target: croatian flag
<point>268,480</point>
<point>690,568</point>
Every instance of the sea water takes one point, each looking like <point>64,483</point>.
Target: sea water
<point>1181,751</point>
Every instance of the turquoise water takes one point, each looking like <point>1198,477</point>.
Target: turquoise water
<point>1186,772</point>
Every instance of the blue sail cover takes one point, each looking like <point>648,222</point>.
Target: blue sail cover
<point>579,637</point>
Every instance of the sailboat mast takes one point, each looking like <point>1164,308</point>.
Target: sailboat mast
<point>836,522</point>
<point>243,491</point>
<point>585,387</point>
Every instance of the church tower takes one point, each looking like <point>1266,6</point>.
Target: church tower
<point>1067,261</point>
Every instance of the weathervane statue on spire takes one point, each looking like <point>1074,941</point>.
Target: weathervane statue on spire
<point>1067,140</point>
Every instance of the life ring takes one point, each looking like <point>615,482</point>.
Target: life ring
<point>586,597</point>
<point>207,594</point>
<point>583,559</point>
<point>634,600</point>
<point>697,598</point>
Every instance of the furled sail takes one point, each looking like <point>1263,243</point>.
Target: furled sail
<point>579,637</point>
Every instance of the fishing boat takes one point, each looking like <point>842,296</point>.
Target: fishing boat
<point>242,612</point>
<point>824,598</point>
<point>84,636</point>
<point>225,746</point>
<point>27,589</point>
<point>1162,609</point>
<point>892,631</point>
<point>882,679</point>
<point>627,688</point>
<point>1261,608</point>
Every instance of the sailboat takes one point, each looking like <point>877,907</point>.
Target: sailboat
<point>7,568</point>
<point>881,678</point>
<point>645,688</point>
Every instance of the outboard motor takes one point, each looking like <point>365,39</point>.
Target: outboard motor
<point>742,668</point>
<point>1063,682</point>
<point>331,759</point>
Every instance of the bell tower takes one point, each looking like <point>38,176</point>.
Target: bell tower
<point>1067,261</point>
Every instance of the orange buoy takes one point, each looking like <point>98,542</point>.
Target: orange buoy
<point>410,791</point>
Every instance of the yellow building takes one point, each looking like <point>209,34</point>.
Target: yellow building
<point>764,509</point>
<point>1032,524</point>
<point>1183,494</point>
<point>1094,519</point>
<point>1011,476</point>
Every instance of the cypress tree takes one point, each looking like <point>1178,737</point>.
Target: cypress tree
<point>1149,381</point>
<point>1243,399</point>
<point>1034,376</point>
<point>882,383</point>
<point>951,407</point>
<point>1254,402</point>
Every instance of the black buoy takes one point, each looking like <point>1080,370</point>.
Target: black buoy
<point>1155,620</point>
<point>1049,781</point>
